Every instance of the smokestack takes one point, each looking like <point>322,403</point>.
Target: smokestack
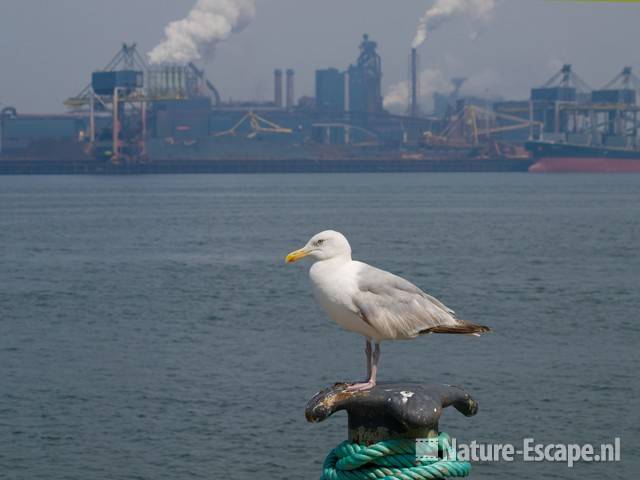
<point>277,74</point>
<point>290,88</point>
<point>414,109</point>
<point>347,92</point>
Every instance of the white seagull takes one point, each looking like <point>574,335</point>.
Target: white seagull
<point>372,302</point>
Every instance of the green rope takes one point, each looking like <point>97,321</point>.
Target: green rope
<point>392,460</point>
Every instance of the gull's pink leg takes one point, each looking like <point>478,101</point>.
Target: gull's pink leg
<point>367,351</point>
<point>373,371</point>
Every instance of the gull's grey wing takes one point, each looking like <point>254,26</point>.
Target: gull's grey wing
<point>398,309</point>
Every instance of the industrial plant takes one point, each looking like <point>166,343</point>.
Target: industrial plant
<point>169,117</point>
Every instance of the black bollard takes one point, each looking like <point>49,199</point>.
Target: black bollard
<point>390,411</point>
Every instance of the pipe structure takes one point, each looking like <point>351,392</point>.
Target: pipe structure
<point>116,125</point>
<point>277,77</point>
<point>347,102</point>
<point>290,88</point>
<point>347,92</point>
<point>143,139</point>
<point>414,109</point>
<point>92,116</point>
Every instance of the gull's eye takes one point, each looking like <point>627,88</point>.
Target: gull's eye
<point>319,243</point>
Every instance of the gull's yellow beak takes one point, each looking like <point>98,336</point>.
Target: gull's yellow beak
<point>297,255</point>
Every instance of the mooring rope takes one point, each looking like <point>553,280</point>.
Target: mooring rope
<point>392,460</point>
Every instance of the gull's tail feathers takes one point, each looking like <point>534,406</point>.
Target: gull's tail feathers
<point>463,328</point>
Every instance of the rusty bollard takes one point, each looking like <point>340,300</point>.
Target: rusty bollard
<point>390,410</point>
<point>392,415</point>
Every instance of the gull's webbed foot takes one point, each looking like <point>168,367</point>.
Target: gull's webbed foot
<point>360,387</point>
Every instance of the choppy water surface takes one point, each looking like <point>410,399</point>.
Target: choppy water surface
<point>150,330</point>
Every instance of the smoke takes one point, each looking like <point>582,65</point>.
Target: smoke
<point>480,84</point>
<point>196,36</point>
<point>444,10</point>
<point>484,84</point>
<point>430,80</point>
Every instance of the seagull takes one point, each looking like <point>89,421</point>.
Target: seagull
<point>374,303</point>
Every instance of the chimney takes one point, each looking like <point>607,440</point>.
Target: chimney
<point>277,74</point>
<point>290,88</point>
<point>414,109</point>
<point>347,92</point>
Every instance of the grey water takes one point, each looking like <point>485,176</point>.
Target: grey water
<point>149,328</point>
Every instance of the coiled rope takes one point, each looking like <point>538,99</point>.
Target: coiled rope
<point>392,460</point>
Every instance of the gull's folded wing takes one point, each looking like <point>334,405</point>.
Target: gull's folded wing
<point>398,309</point>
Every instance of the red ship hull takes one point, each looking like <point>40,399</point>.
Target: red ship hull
<point>584,164</point>
<point>562,157</point>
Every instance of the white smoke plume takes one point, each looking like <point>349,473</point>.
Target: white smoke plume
<point>479,84</point>
<point>444,10</point>
<point>196,36</point>
<point>431,80</point>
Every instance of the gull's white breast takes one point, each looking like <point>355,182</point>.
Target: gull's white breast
<point>334,284</point>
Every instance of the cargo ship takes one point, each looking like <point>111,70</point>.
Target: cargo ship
<point>586,130</point>
<point>192,137</point>
<point>564,157</point>
<point>263,153</point>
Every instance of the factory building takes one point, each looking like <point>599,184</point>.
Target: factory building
<point>365,80</point>
<point>130,110</point>
<point>572,112</point>
<point>134,113</point>
<point>331,91</point>
<point>358,89</point>
<point>550,102</point>
<point>39,134</point>
<point>615,107</point>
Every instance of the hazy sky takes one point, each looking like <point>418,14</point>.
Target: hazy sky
<point>48,48</point>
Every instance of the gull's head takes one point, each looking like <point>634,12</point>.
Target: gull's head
<point>323,246</point>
